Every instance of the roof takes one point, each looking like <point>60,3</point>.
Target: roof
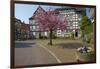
<point>17,20</point>
<point>69,8</point>
<point>36,12</point>
<point>25,27</point>
<point>53,12</point>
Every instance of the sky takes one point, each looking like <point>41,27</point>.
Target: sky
<point>25,11</point>
<point>87,12</point>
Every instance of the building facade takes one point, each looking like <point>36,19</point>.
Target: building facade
<point>72,15</point>
<point>22,30</point>
<point>17,24</point>
<point>34,28</point>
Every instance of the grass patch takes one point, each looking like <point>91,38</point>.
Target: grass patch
<point>56,41</point>
<point>64,49</point>
<point>87,57</point>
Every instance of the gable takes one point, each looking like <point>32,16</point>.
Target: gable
<point>39,10</point>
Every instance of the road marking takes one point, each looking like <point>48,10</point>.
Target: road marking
<point>58,60</point>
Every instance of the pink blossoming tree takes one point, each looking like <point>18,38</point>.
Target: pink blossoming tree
<point>49,21</point>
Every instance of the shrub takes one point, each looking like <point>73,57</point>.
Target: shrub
<point>88,40</point>
<point>43,37</point>
<point>72,35</point>
<point>92,41</point>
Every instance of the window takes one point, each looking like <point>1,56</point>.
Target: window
<point>73,17</point>
<point>45,33</point>
<point>79,18</point>
<point>30,21</point>
<point>74,27</point>
<point>34,33</point>
<point>37,27</point>
<point>31,28</point>
<point>58,31</point>
<point>76,19</point>
<point>76,16</point>
<point>34,27</point>
<point>70,27</point>
<point>76,24</point>
<point>33,21</point>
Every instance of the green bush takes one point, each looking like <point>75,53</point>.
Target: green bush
<point>43,37</point>
<point>72,35</point>
<point>92,41</point>
<point>88,40</point>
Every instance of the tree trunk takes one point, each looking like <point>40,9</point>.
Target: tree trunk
<point>50,37</point>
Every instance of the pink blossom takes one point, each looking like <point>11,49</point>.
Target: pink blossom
<point>50,21</point>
